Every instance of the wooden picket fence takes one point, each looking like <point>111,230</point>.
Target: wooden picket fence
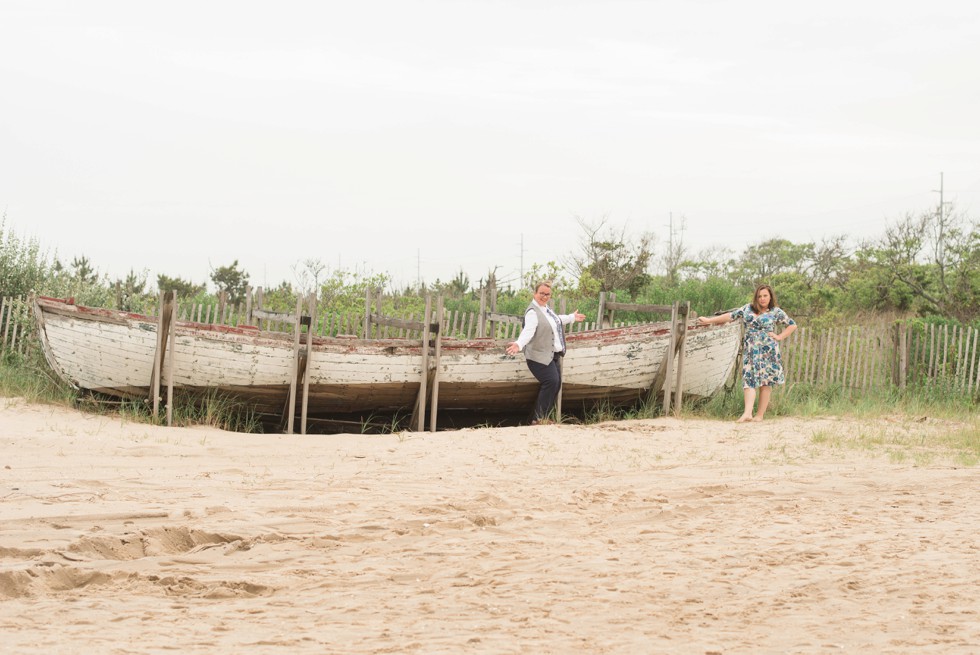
<point>457,324</point>
<point>862,357</point>
<point>880,356</point>
<point>16,325</point>
<point>856,357</point>
<point>950,353</point>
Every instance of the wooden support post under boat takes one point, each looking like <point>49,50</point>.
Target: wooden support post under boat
<point>294,370</point>
<point>683,312</point>
<point>420,404</point>
<point>669,366</point>
<point>165,312</point>
<point>438,352</point>
<point>172,334</point>
<point>222,309</point>
<point>155,374</point>
<point>311,326</point>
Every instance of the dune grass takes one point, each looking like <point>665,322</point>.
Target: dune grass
<point>922,441</point>
<point>213,409</point>
<point>24,376</point>
<point>804,400</point>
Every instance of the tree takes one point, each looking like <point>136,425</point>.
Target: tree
<point>184,288</point>
<point>23,267</point>
<point>232,281</point>
<point>831,261</point>
<point>344,291</point>
<point>455,288</point>
<point>674,254</point>
<point>82,270</point>
<point>709,263</point>
<point>131,292</point>
<point>934,256</point>
<point>761,261</point>
<point>610,259</point>
<point>308,274</point>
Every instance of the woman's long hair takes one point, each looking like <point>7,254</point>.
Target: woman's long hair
<point>756,308</point>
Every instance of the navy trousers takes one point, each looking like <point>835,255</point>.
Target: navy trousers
<point>550,378</point>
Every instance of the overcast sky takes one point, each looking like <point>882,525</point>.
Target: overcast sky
<point>422,138</point>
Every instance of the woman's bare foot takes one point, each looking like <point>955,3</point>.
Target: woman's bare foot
<point>744,419</point>
<point>757,419</point>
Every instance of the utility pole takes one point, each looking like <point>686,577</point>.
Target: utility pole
<point>941,242</point>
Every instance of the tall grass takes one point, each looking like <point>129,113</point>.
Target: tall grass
<point>801,399</point>
<point>213,409</point>
<point>24,376</point>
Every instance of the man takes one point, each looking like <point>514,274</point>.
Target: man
<point>543,343</point>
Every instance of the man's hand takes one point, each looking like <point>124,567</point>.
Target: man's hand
<point>513,349</point>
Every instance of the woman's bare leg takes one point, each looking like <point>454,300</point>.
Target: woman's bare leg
<point>764,393</point>
<point>749,402</point>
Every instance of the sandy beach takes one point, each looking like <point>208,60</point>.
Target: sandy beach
<point>649,536</point>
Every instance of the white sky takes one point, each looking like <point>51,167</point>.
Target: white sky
<point>425,137</point>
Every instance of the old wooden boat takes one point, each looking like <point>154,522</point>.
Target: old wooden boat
<point>112,352</point>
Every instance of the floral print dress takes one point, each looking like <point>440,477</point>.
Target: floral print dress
<point>762,365</point>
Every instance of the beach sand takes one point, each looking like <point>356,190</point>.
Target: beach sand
<point>647,536</point>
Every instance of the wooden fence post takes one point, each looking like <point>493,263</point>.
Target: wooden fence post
<point>903,362</point>
<point>6,305</point>
<point>481,325</point>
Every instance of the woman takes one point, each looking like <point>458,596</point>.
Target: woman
<point>761,364</point>
<point>543,349</point>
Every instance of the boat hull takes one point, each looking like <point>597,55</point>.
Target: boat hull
<point>113,352</point>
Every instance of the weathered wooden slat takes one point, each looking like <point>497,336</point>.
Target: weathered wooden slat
<point>975,385</point>
<point>633,307</point>
<point>377,319</point>
<point>5,309</point>
<point>282,317</point>
<point>508,319</point>
<point>973,359</point>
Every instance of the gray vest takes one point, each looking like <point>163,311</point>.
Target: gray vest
<point>541,347</point>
